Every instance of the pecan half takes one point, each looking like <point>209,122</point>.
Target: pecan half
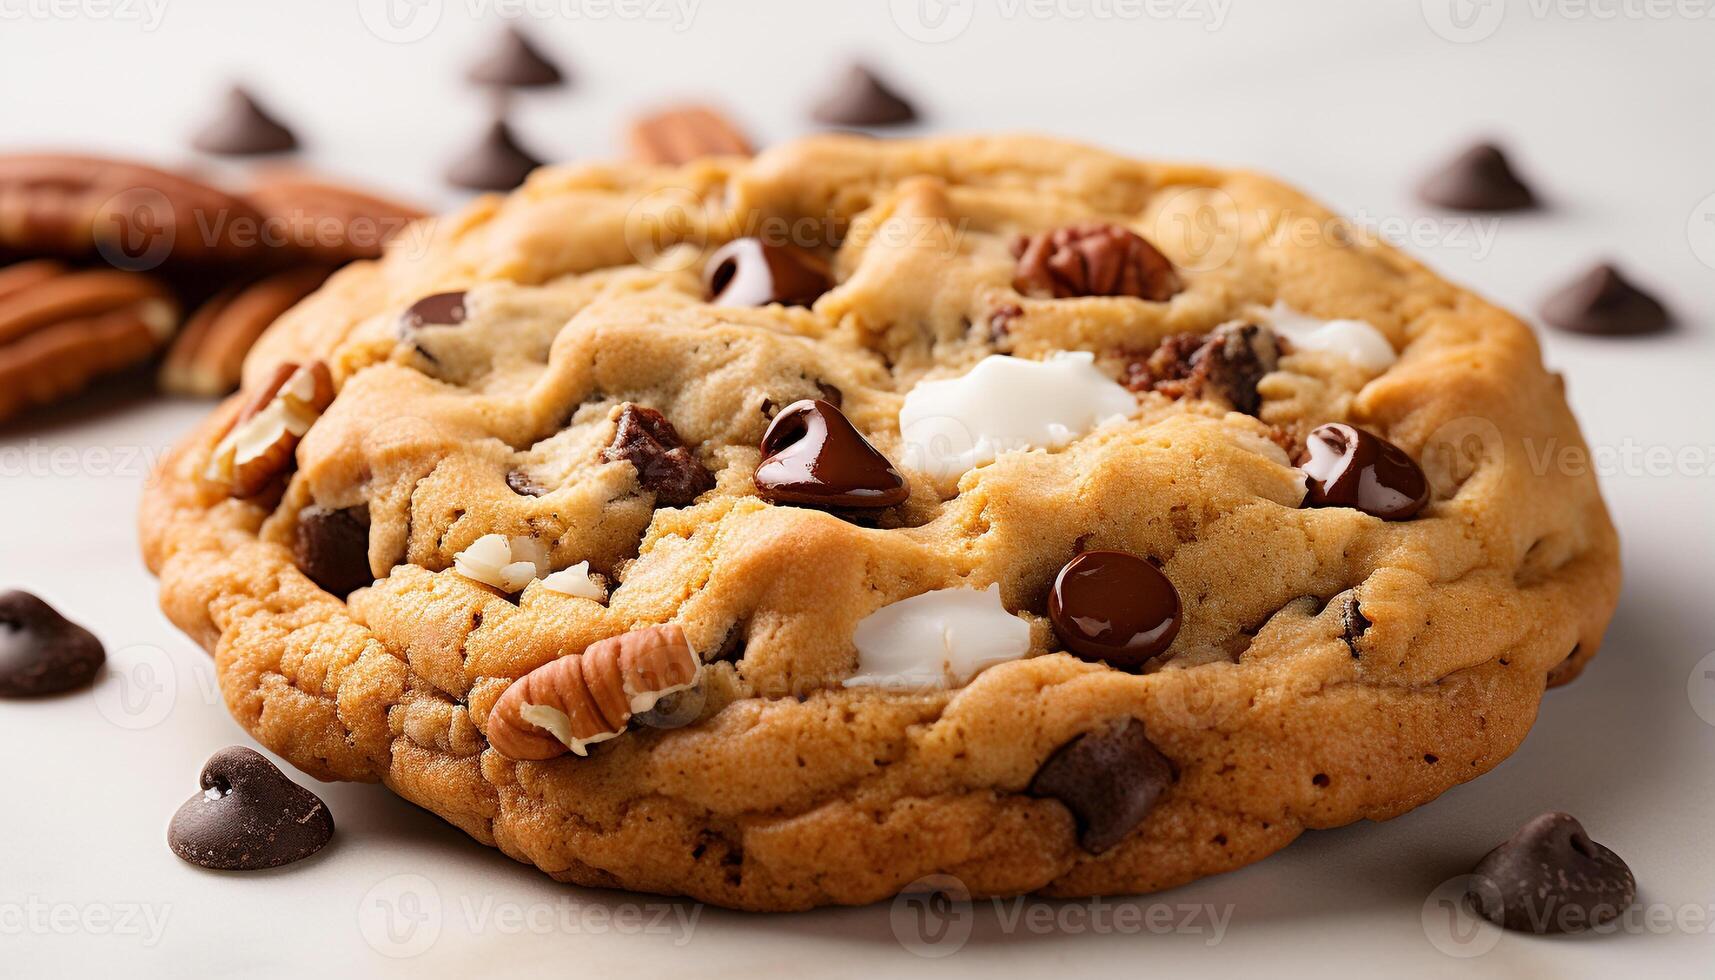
<point>207,358</point>
<point>665,465</point>
<point>135,216</point>
<point>325,221</point>
<point>259,447</point>
<point>60,330</point>
<point>1224,365</point>
<point>681,134</point>
<point>1092,260</point>
<point>589,697</point>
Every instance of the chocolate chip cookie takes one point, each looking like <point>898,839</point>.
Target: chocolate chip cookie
<point>778,531</point>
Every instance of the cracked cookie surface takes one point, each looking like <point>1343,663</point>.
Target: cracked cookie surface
<point>588,403</point>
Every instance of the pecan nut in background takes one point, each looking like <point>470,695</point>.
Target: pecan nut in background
<point>60,330</point>
<point>208,356</point>
<point>680,134</point>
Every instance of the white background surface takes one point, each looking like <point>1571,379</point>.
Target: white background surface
<point>1607,105</point>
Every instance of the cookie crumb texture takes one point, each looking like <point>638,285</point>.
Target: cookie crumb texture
<point>1329,666</point>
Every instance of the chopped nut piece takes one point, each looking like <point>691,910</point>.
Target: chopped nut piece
<point>259,447</point>
<point>590,697</point>
<point>1092,260</point>
<point>508,564</point>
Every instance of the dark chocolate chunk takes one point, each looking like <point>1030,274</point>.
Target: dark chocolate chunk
<point>665,466</point>
<point>751,272</point>
<point>1109,778</point>
<point>1092,260</point>
<point>42,652</point>
<point>859,98</point>
<point>436,310</point>
<point>1550,877</point>
<point>525,485</point>
<point>1226,365</point>
<point>249,816</point>
<point>1478,179</point>
<point>515,62</point>
<point>331,548</point>
<point>244,128</point>
<point>813,456</point>
<point>1351,467</point>
<point>1602,301</point>
<point>1114,607</point>
<point>495,163</point>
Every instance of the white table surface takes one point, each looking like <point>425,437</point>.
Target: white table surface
<point>1607,105</point>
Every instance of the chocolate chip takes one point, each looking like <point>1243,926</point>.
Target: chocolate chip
<point>813,456</point>
<point>1226,365</point>
<point>244,128</point>
<point>525,485</point>
<point>331,548</point>
<point>515,62</point>
<point>249,816</point>
<point>1114,607</point>
<point>1478,179</point>
<point>1351,467</point>
<point>1092,260</point>
<point>42,652</point>
<point>1602,301</point>
<point>1550,877</point>
<point>437,310</point>
<point>1109,777</point>
<point>665,466</point>
<point>751,272</point>
<point>495,163</point>
<point>859,98</point>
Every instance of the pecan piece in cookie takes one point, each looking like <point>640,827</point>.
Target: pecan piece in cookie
<point>665,466</point>
<point>1092,260</point>
<point>1226,365</point>
<point>589,697</point>
<point>259,447</point>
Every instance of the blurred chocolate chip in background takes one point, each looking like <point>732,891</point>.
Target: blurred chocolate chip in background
<point>860,98</point>
<point>515,62</point>
<point>1479,178</point>
<point>1602,301</point>
<point>495,163</point>
<point>244,128</point>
